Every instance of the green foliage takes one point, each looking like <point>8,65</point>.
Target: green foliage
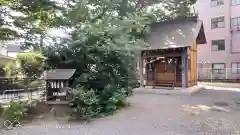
<point>104,47</point>
<point>111,98</point>
<point>91,103</point>
<point>83,104</point>
<point>1,109</point>
<point>35,84</point>
<point>28,20</point>
<point>12,70</point>
<point>25,70</point>
<point>30,105</point>
<point>16,111</point>
<point>31,63</point>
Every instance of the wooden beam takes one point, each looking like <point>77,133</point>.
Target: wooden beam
<point>163,55</point>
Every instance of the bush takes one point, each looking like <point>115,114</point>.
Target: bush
<point>1,110</point>
<point>111,98</point>
<point>89,103</point>
<point>36,84</point>
<point>15,112</point>
<point>30,105</point>
<point>83,104</point>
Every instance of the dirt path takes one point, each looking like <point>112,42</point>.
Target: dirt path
<point>207,113</point>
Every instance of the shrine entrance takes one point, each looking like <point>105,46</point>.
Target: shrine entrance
<point>168,71</point>
<point>164,71</point>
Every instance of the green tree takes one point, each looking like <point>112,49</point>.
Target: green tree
<point>105,42</point>
<point>11,69</point>
<point>31,64</point>
<point>28,20</point>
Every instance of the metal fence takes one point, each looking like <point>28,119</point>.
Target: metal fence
<point>21,89</point>
<point>221,75</point>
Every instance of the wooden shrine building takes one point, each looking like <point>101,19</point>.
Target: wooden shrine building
<point>170,58</point>
<point>57,83</point>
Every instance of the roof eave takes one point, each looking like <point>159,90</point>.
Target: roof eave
<point>201,38</point>
<point>152,49</point>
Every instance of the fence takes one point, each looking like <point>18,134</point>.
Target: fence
<point>20,89</point>
<point>219,75</point>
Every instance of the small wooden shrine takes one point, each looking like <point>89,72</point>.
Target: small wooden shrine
<point>57,84</point>
<point>171,57</point>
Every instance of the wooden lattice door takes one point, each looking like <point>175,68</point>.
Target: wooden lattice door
<point>165,71</point>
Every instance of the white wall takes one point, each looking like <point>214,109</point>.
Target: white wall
<point>12,54</point>
<point>3,50</point>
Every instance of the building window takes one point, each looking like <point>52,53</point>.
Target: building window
<point>215,3</point>
<point>236,68</point>
<point>235,22</point>
<point>218,45</point>
<point>218,22</point>
<point>218,68</point>
<point>235,2</point>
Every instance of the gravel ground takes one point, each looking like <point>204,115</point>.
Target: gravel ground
<point>209,112</point>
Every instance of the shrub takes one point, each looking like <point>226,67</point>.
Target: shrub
<point>18,110</point>
<point>1,110</point>
<point>111,98</point>
<point>15,112</point>
<point>30,105</point>
<point>83,104</point>
<point>89,103</point>
<point>36,84</point>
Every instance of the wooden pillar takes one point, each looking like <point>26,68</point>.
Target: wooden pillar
<point>49,93</point>
<point>141,69</point>
<point>154,75</point>
<point>184,69</point>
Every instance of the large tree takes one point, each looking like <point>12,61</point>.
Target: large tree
<point>31,20</point>
<point>28,21</point>
<point>103,47</point>
<point>104,41</point>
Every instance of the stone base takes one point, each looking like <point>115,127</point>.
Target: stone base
<point>52,109</point>
<point>166,91</point>
<point>60,110</point>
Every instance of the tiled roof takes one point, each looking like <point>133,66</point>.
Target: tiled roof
<point>58,74</point>
<point>175,33</point>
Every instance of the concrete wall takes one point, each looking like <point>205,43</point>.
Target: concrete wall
<point>206,12</point>
<point>5,60</point>
<point>230,54</point>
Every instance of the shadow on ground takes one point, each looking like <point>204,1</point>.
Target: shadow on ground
<point>208,112</point>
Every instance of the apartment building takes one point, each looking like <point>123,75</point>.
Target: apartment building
<point>220,57</point>
<point>13,50</point>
